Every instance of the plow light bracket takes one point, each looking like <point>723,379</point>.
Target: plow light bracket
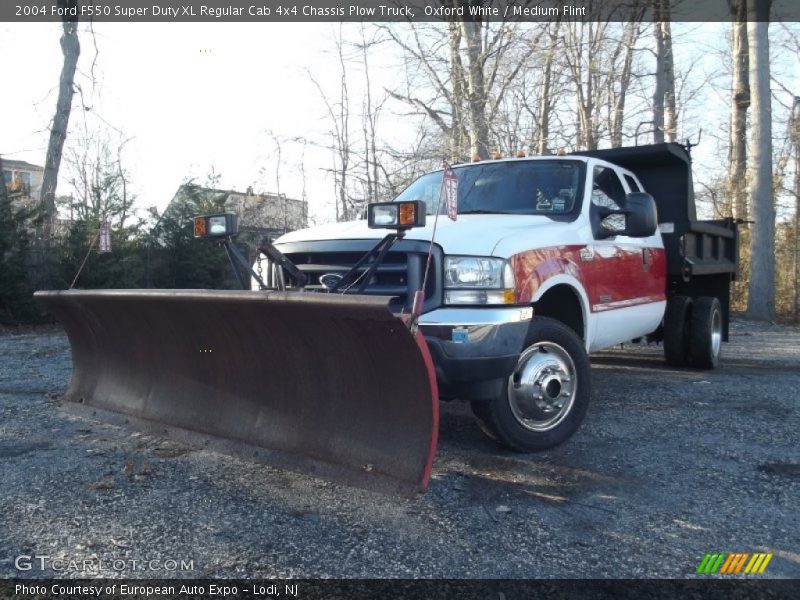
<point>216,226</point>
<point>396,215</point>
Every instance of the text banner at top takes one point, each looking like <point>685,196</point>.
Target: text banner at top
<point>524,11</point>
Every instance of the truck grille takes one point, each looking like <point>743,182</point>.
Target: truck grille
<point>399,275</point>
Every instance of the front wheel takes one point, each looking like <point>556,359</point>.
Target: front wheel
<point>546,397</point>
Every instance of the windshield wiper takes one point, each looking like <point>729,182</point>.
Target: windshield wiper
<point>479,211</point>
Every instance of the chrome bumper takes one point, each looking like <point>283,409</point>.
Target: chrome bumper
<point>475,349</point>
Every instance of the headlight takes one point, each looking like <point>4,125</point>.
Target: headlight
<point>478,280</point>
<point>473,272</point>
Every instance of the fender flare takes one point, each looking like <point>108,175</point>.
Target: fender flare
<point>576,286</point>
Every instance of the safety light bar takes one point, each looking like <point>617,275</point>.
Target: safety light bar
<point>396,215</point>
<point>216,225</point>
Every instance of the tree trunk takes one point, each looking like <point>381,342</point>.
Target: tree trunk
<point>740,102</point>
<point>71,49</point>
<point>665,122</point>
<point>543,125</point>
<point>795,128</point>
<point>457,88</point>
<point>761,289</point>
<point>476,92</point>
<point>628,42</point>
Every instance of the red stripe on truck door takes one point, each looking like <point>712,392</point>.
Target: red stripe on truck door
<point>613,275</point>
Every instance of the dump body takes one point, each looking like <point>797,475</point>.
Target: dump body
<point>332,385</point>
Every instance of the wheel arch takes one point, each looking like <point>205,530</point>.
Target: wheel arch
<point>562,298</point>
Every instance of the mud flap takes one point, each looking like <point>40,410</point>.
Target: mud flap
<point>331,385</point>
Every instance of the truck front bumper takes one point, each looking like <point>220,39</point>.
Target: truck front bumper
<point>474,350</point>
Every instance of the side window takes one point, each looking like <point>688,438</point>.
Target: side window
<point>632,184</point>
<point>607,189</point>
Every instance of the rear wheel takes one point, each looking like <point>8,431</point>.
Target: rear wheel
<point>546,397</point>
<point>705,333</point>
<point>676,327</point>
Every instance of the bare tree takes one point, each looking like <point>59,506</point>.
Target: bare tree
<point>523,117</point>
<point>618,87</point>
<point>794,126</point>
<point>548,98</point>
<point>467,70</point>
<point>599,57</point>
<point>761,289</point>
<point>582,42</point>
<point>664,114</point>
<point>371,109</point>
<point>740,102</point>
<point>71,49</point>
<point>99,180</point>
<point>339,113</point>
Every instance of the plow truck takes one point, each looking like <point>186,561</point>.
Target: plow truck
<point>336,358</point>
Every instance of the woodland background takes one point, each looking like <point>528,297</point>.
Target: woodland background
<point>465,88</point>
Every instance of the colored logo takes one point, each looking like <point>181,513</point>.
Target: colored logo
<point>330,280</point>
<point>732,563</point>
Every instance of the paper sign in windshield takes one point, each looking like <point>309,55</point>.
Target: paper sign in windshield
<point>450,183</point>
<point>105,237</point>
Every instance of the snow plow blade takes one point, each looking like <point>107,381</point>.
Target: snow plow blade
<point>331,385</point>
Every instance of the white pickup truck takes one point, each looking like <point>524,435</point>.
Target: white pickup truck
<point>550,258</point>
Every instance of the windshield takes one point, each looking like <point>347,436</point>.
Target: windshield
<point>546,187</point>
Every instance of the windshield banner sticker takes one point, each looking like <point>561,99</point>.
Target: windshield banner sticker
<point>450,185</point>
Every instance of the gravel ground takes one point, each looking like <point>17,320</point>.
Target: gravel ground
<point>669,465</point>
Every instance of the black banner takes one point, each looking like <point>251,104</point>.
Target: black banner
<point>305,589</point>
<point>532,11</point>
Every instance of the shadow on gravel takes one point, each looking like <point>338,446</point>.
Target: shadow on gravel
<point>492,479</point>
<point>20,448</point>
<point>781,469</point>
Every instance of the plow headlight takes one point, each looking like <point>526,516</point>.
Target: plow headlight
<point>478,280</point>
<point>396,215</point>
<point>215,225</point>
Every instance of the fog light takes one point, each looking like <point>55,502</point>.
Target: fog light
<point>396,215</point>
<point>216,225</point>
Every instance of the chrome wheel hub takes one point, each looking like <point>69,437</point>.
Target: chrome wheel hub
<point>541,390</point>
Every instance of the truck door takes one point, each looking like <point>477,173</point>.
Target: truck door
<point>625,286</point>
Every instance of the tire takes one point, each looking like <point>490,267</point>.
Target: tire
<point>676,328</point>
<point>546,398</point>
<point>705,333</point>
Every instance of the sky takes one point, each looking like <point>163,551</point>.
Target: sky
<point>192,97</point>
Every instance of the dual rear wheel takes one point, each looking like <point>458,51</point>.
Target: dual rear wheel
<point>693,332</point>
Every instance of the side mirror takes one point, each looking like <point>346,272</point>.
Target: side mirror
<point>638,218</point>
<point>641,215</point>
